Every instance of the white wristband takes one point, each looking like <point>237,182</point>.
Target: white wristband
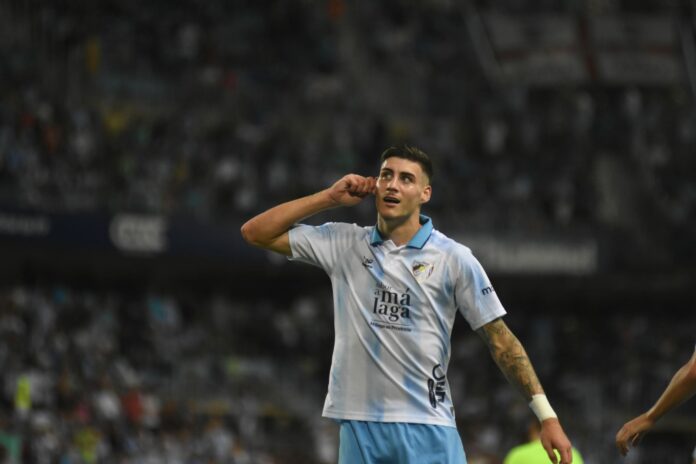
<point>542,408</point>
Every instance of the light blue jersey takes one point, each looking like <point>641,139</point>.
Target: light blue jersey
<point>394,307</point>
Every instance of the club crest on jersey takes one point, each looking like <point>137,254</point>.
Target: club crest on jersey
<point>422,270</point>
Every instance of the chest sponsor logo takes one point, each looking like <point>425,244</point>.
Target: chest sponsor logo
<point>391,309</point>
<point>422,270</point>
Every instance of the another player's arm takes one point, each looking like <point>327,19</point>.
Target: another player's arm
<point>269,229</point>
<point>680,388</point>
<point>513,361</point>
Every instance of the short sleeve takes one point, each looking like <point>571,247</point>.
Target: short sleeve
<point>323,245</point>
<point>474,294</point>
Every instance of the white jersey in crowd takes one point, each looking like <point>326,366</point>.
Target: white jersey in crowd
<point>394,307</point>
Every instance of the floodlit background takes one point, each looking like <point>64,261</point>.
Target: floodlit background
<point>136,138</point>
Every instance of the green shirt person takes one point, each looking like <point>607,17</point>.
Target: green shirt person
<point>533,452</point>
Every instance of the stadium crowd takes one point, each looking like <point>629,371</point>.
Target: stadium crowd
<point>104,377</point>
<point>153,377</point>
<point>224,110</point>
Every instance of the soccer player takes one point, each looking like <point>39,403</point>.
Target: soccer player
<point>397,286</point>
<point>681,387</point>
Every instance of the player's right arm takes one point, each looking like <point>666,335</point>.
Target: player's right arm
<point>681,387</point>
<point>269,230</point>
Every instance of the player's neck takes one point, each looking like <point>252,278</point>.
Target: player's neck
<point>399,230</point>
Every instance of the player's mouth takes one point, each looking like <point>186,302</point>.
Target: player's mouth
<point>391,200</point>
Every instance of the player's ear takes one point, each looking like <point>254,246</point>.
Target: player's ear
<point>425,194</point>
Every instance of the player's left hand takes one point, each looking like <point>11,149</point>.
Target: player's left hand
<point>554,438</point>
<point>632,432</point>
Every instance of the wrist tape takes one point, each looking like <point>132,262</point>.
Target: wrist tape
<point>542,408</point>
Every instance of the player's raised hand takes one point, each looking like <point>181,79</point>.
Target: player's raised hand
<point>554,438</point>
<point>351,189</point>
<point>632,432</point>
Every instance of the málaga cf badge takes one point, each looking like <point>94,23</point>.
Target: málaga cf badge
<point>422,271</point>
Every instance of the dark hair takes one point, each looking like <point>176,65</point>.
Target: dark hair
<point>412,154</point>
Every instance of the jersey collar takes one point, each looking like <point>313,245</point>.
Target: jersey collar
<point>417,241</point>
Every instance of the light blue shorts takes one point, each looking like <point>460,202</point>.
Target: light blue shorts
<point>399,443</point>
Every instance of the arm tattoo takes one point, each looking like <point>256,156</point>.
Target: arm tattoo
<point>511,358</point>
